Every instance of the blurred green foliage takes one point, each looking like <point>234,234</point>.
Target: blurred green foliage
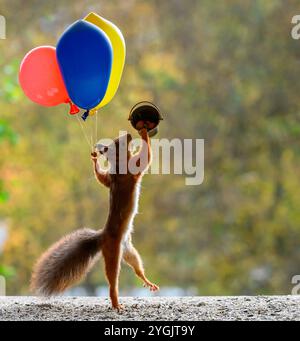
<point>6,134</point>
<point>223,71</point>
<point>7,271</point>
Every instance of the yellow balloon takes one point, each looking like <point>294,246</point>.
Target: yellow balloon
<point>119,52</point>
<point>93,111</point>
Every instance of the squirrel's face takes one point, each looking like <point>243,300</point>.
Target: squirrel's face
<point>118,151</point>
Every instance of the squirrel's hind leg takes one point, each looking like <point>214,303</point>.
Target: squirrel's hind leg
<point>111,252</point>
<point>133,259</point>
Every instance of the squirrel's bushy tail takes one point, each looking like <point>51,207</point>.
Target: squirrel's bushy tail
<point>66,262</point>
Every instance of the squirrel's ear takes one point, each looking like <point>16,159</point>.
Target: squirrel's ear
<point>101,148</point>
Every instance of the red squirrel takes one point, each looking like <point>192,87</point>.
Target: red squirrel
<point>68,260</point>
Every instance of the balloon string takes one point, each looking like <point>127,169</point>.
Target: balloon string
<point>91,131</point>
<point>96,126</point>
<point>84,133</point>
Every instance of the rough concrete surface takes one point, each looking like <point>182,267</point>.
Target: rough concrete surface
<point>152,308</point>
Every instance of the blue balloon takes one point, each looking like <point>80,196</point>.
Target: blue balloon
<point>84,55</point>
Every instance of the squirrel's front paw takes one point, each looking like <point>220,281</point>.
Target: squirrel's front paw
<point>140,125</point>
<point>94,156</point>
<point>143,132</point>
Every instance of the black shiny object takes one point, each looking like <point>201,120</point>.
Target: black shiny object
<point>85,115</point>
<point>145,111</point>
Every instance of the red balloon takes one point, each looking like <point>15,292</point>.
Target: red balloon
<point>40,77</point>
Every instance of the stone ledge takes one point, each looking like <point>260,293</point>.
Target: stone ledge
<point>151,308</point>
